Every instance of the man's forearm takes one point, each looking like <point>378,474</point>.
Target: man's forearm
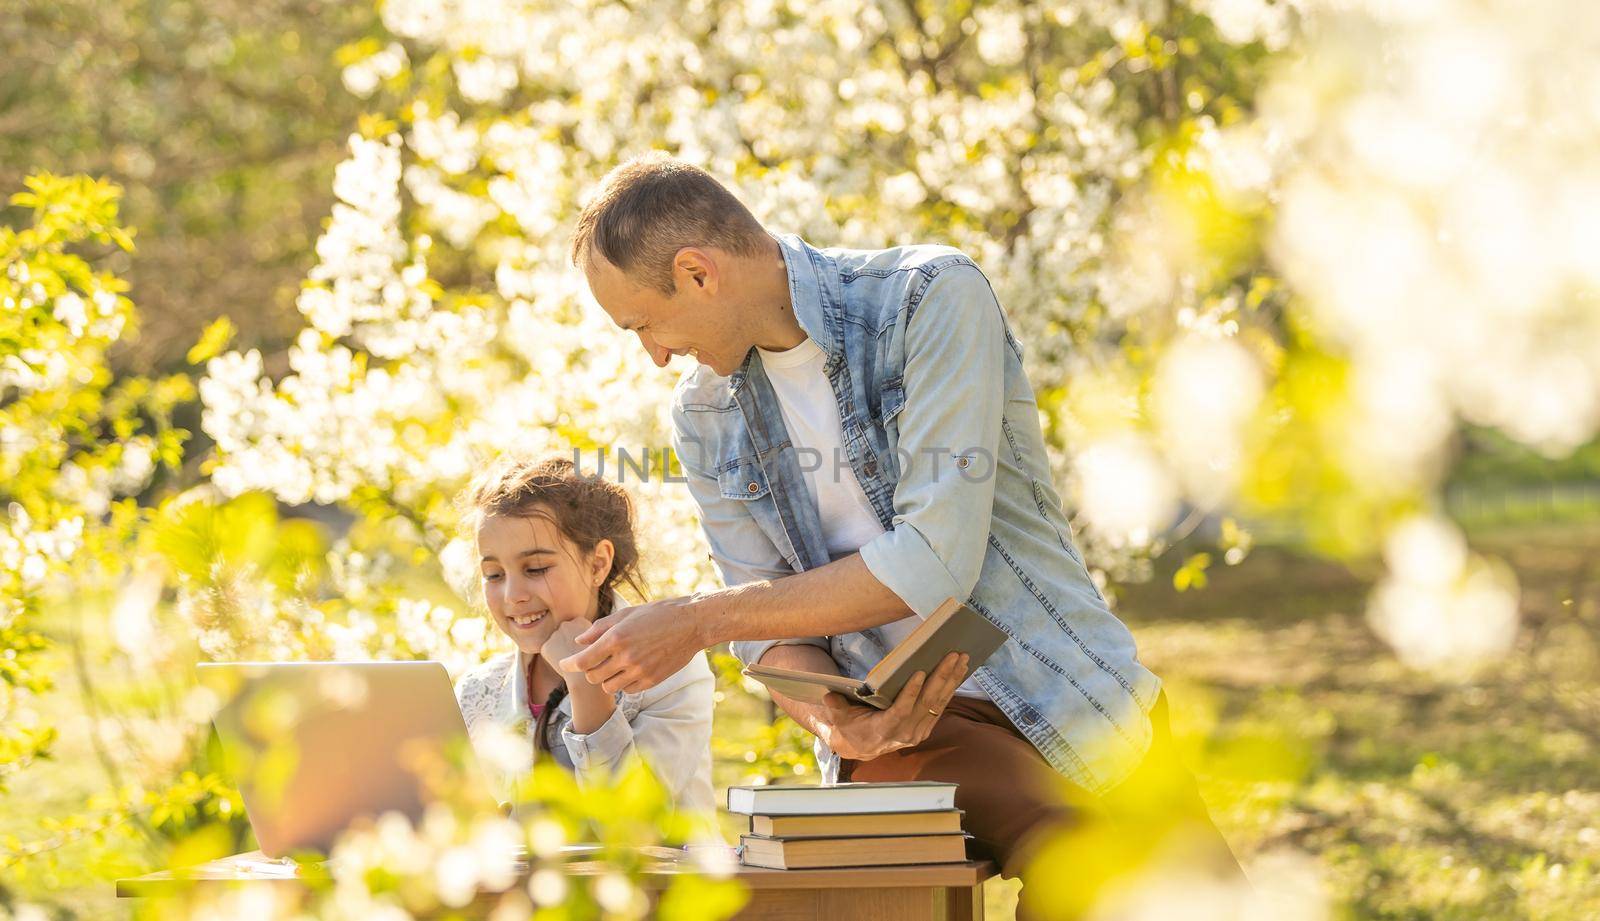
<point>811,717</point>
<point>841,597</point>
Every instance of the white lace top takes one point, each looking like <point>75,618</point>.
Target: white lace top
<point>669,725</point>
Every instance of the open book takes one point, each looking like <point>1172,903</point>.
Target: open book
<point>954,627</point>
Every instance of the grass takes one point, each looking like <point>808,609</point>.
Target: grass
<point>1414,796</point>
<point>1417,796</point>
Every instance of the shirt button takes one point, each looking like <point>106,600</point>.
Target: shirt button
<point>871,468</point>
<point>963,463</point>
<point>754,488</point>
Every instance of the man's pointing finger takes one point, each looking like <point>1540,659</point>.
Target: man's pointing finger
<point>586,659</point>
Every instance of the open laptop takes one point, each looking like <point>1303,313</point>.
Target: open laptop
<point>313,746</point>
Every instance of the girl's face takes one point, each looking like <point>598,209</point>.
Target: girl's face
<point>534,577</point>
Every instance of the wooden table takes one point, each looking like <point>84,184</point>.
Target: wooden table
<point>922,892</point>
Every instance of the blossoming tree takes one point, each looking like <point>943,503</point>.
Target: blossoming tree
<point>443,323</point>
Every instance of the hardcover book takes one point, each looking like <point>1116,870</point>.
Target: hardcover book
<point>860,824</point>
<point>805,853</point>
<point>954,627</point>
<point>842,798</point>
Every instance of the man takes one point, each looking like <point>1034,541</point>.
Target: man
<point>863,443</point>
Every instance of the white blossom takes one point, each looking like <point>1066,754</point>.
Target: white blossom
<point>363,77</point>
<point>1126,492</point>
<point>71,311</point>
<point>1438,606</point>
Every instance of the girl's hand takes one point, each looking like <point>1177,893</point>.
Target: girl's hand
<point>561,644</point>
<point>591,706</point>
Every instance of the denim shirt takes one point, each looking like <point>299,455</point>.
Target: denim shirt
<point>941,428</point>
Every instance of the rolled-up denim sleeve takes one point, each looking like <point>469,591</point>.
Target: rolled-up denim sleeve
<point>741,550</point>
<point>949,439</point>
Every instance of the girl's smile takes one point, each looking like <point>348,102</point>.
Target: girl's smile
<point>524,621</point>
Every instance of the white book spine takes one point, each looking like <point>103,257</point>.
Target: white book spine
<point>838,801</point>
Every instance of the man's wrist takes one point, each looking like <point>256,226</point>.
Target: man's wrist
<point>706,613</point>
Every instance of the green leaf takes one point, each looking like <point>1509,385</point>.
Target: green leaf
<point>212,341</point>
<point>692,897</point>
<point>1192,574</point>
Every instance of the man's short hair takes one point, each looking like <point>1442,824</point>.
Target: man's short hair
<point>653,205</point>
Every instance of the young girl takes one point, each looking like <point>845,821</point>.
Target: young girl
<point>553,546</point>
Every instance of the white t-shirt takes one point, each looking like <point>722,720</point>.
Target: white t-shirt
<point>811,414</point>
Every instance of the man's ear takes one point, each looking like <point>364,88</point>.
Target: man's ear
<point>693,268</point>
<point>600,561</point>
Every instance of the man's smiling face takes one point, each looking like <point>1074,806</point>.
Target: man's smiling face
<point>694,321</point>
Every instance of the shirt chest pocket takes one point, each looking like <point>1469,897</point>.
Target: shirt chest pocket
<point>742,478</point>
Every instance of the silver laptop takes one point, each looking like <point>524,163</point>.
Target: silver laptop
<point>313,746</point>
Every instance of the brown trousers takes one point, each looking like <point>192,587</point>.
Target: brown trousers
<point>1016,806</point>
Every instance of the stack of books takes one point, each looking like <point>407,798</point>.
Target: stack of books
<point>849,825</point>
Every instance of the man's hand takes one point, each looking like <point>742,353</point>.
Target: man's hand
<point>638,647</point>
<point>863,733</point>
